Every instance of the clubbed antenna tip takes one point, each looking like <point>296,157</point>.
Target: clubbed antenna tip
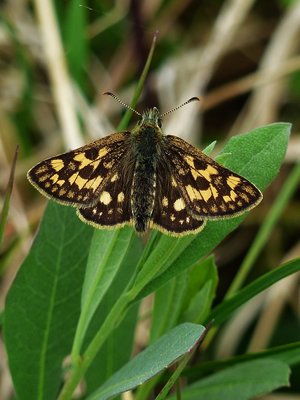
<point>121,102</point>
<point>181,105</point>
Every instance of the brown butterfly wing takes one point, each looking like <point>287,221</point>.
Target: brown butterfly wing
<point>209,190</point>
<point>77,177</point>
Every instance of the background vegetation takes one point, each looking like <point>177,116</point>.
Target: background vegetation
<point>242,58</point>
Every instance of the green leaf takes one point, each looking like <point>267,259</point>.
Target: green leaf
<point>242,381</point>
<point>257,156</point>
<point>112,356</point>
<point>43,304</point>
<point>108,250</point>
<point>288,354</point>
<point>210,148</point>
<point>203,280</point>
<point>220,313</point>
<point>151,361</point>
<point>167,306</point>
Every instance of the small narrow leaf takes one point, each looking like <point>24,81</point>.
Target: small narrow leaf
<point>151,361</point>
<point>108,250</point>
<point>222,311</point>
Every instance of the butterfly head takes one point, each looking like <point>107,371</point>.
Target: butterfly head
<point>151,117</point>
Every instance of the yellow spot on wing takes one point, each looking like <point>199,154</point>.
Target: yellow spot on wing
<point>206,173</point>
<point>114,177</point>
<point>54,178</point>
<point>233,181</point>
<point>179,204</point>
<point>214,191</point>
<point>206,194</point>
<point>72,178</point>
<point>42,169</point>
<point>173,182</point>
<point>214,208</point>
<point>82,159</point>
<point>80,182</point>
<point>193,193</point>
<point>105,198</point>
<point>57,164</point>
<point>190,161</point>
<point>103,152</point>
<point>108,165</point>
<point>62,192</point>
<point>121,197</point>
<point>233,195</point>
<point>94,183</point>
<point>165,202</point>
<point>97,182</point>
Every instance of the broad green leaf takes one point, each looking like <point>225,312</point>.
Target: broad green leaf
<point>107,252</point>
<point>257,156</point>
<point>43,304</point>
<point>222,311</point>
<point>242,381</point>
<point>151,361</point>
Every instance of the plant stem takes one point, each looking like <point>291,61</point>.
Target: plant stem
<point>138,90</point>
<point>85,361</point>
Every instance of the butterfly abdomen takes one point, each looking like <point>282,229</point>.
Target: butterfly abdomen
<point>147,148</point>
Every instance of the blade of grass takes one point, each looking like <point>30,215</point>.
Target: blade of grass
<point>138,90</point>
<point>220,313</point>
<point>5,208</point>
<point>288,189</point>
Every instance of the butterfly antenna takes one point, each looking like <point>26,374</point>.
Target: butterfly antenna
<point>181,105</point>
<point>121,102</point>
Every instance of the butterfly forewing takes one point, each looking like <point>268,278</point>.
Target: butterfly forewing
<point>170,214</point>
<point>208,189</point>
<point>77,177</point>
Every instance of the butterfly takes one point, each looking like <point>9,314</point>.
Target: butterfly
<point>145,179</point>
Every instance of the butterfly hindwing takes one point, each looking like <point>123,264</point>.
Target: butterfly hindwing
<point>112,208</point>
<point>209,190</point>
<point>170,214</point>
<point>77,177</point>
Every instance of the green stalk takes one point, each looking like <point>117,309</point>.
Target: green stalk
<point>270,221</point>
<point>118,311</point>
<point>138,90</point>
<point>82,324</point>
<point>5,208</point>
<point>85,361</point>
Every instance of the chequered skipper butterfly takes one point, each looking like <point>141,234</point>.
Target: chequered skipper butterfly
<point>145,179</point>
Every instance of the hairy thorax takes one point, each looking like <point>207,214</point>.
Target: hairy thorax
<point>147,145</point>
